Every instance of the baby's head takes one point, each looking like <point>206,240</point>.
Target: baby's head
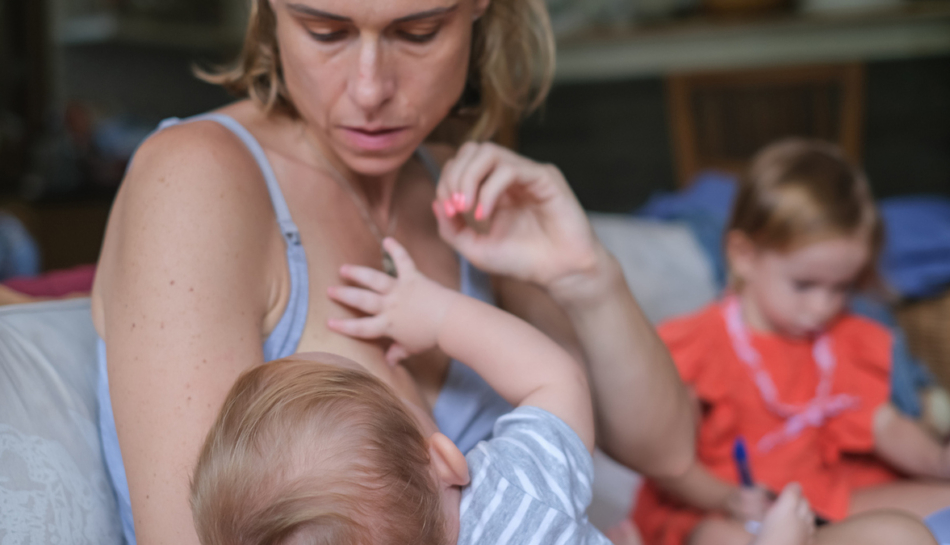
<point>804,232</point>
<point>314,449</point>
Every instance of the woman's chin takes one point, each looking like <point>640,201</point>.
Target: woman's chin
<point>375,163</point>
<point>376,166</point>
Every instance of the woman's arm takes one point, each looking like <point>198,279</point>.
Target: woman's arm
<point>179,299</point>
<point>516,218</point>
<point>630,370</point>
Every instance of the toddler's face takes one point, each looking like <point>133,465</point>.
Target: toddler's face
<point>796,293</point>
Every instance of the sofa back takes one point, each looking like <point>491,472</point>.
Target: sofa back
<point>54,487</point>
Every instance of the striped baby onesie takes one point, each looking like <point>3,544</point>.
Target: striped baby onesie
<point>531,484</point>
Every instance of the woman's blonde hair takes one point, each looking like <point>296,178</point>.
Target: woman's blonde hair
<point>509,75</point>
<point>800,191</point>
<point>312,452</point>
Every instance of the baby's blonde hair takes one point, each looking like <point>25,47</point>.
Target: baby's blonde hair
<point>314,452</point>
<point>799,191</point>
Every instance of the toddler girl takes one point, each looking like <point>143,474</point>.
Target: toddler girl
<point>779,362</point>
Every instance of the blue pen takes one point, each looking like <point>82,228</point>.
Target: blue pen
<point>741,455</point>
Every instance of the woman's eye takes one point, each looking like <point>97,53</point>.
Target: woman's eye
<point>417,37</point>
<point>332,36</point>
<point>803,285</point>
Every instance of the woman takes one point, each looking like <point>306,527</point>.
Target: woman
<point>229,229</point>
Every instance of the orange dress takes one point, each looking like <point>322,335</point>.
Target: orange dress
<point>829,461</point>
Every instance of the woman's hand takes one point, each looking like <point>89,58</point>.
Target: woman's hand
<point>514,217</point>
<point>409,309</point>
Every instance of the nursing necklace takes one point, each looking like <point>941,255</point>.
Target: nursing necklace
<point>813,413</point>
<point>388,265</point>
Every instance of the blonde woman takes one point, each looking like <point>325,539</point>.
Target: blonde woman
<point>230,227</point>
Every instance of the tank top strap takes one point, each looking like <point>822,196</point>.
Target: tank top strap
<point>285,337</point>
<point>287,225</point>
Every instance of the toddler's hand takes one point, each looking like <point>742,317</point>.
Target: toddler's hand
<point>789,522</point>
<point>745,503</point>
<point>408,309</point>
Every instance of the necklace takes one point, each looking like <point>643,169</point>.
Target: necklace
<point>388,265</point>
<point>815,412</point>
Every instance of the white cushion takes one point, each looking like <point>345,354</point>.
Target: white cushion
<point>54,488</point>
<point>663,263</point>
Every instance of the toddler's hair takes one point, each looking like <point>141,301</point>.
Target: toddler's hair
<point>799,191</point>
<point>304,451</point>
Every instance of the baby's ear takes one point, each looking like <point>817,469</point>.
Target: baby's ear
<point>447,460</point>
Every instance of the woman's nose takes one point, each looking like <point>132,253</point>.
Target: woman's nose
<point>371,86</point>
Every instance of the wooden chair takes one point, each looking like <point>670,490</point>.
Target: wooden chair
<point>719,120</point>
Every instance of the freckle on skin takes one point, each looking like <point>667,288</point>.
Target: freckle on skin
<point>172,283</point>
<point>162,325</point>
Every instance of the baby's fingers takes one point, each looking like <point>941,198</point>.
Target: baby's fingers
<point>372,327</point>
<point>404,263</point>
<point>396,353</point>
<point>373,279</point>
<point>363,300</point>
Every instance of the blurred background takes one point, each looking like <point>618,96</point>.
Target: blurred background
<point>648,94</point>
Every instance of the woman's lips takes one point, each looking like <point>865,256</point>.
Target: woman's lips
<point>373,139</point>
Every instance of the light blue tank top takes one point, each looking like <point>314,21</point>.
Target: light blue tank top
<point>466,408</point>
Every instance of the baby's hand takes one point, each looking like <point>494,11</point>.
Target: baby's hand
<point>409,309</point>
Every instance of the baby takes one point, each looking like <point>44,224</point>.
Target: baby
<point>314,449</point>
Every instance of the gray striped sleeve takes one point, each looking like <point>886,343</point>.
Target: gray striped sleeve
<point>531,484</point>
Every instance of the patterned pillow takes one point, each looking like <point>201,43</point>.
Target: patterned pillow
<point>54,487</point>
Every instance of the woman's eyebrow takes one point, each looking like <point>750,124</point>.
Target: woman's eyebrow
<point>314,12</point>
<point>428,13</point>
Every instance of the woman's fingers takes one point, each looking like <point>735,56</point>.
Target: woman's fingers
<point>362,300</point>
<point>489,159</point>
<point>448,191</point>
<point>372,327</point>
<point>494,187</point>
<point>367,277</point>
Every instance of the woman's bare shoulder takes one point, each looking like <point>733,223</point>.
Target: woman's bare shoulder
<point>195,169</point>
<point>194,205</point>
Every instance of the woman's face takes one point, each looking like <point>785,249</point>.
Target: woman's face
<point>372,78</point>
